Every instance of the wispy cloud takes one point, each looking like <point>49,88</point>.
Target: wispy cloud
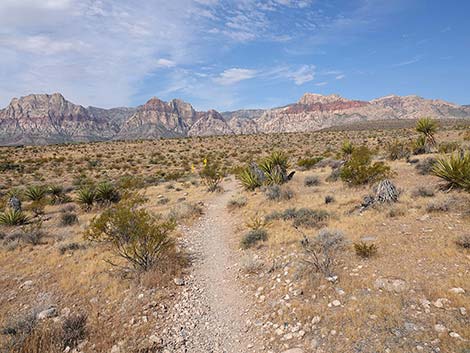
<point>408,62</point>
<point>234,75</point>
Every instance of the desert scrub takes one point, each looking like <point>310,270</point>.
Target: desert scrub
<point>423,191</point>
<point>360,170</point>
<point>427,127</point>
<point>278,193</point>
<point>237,201</point>
<point>58,195</point>
<point>211,176</point>
<point>398,150</point>
<point>135,235</point>
<point>253,237</point>
<point>35,193</point>
<point>308,163</point>
<point>463,241</point>
<point>365,250</point>
<point>301,217</point>
<point>311,180</point>
<point>320,253</point>
<point>425,166</point>
<point>454,170</point>
<point>68,219</point>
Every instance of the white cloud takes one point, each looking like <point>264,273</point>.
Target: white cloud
<point>340,77</point>
<point>303,75</point>
<point>234,75</point>
<point>319,84</point>
<point>165,63</point>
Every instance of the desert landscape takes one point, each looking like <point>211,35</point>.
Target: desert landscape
<point>249,176</point>
<point>248,258</point>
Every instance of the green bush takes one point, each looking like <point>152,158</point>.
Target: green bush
<point>360,170</point>
<point>249,179</point>
<point>309,163</point>
<point>253,237</point>
<point>365,250</point>
<point>13,218</point>
<point>211,176</point>
<point>427,127</point>
<point>398,150</point>
<point>455,170</point>
<point>135,235</point>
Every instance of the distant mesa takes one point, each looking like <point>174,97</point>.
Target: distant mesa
<point>49,118</point>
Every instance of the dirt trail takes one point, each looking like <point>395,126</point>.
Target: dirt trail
<point>212,314</point>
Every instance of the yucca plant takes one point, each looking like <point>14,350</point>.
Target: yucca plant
<point>58,195</point>
<point>249,179</point>
<point>454,169</point>
<point>35,193</point>
<point>13,218</point>
<point>427,127</point>
<point>86,196</point>
<point>275,168</point>
<point>106,193</point>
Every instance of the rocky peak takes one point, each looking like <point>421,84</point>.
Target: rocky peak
<point>314,98</point>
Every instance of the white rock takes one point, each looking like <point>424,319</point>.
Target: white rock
<point>455,335</point>
<point>294,350</point>
<point>48,313</point>
<point>390,284</point>
<point>457,290</point>
<point>336,303</point>
<point>316,320</point>
<point>440,328</point>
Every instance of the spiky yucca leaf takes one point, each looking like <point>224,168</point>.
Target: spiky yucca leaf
<point>249,179</point>
<point>13,218</point>
<point>35,193</point>
<point>86,197</point>
<point>427,127</point>
<point>106,193</point>
<point>454,169</point>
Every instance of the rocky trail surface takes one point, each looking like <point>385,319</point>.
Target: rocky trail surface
<point>212,314</point>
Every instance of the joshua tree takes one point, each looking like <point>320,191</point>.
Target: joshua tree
<point>427,127</point>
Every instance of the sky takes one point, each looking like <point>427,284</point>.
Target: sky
<point>227,55</point>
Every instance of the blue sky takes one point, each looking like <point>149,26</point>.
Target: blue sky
<point>233,54</point>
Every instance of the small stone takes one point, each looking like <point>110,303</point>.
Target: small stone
<point>463,311</point>
<point>178,281</point>
<point>440,328</point>
<point>390,284</point>
<point>316,320</point>
<point>48,313</point>
<point>455,335</point>
<point>439,303</point>
<point>294,350</point>
<point>457,290</point>
<point>115,349</point>
<point>336,303</point>
<point>26,284</point>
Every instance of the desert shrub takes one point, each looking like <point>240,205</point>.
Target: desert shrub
<point>394,212</point>
<point>423,191</point>
<point>365,250</point>
<point>334,175</point>
<point>455,170</point>
<point>308,163</point>
<point>135,235</point>
<point>68,219</point>
<point>70,247</point>
<point>275,168</point>
<point>253,237</point>
<point>360,170</point>
<point>398,150</point>
<point>130,182</point>
<point>212,176</point>
<point>329,199</point>
<point>58,195</point>
<point>12,217</point>
<point>276,192</point>
<point>38,206</point>
<point>312,180</point>
<point>106,193</point>
<point>320,252</point>
<point>73,330</point>
<point>237,201</point>
<point>463,241</point>
<point>347,148</point>
<point>425,166</point>
<point>438,206</point>
<point>448,147</point>
<point>301,217</point>
<point>251,264</point>
<point>32,234</point>
<point>420,146</point>
<point>185,211</point>
<point>35,193</point>
<point>86,197</point>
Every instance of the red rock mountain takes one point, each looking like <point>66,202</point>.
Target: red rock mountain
<point>44,119</point>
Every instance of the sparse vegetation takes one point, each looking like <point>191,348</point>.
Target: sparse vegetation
<point>253,237</point>
<point>12,217</point>
<point>454,170</point>
<point>365,250</point>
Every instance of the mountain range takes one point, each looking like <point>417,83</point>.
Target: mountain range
<point>48,119</point>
